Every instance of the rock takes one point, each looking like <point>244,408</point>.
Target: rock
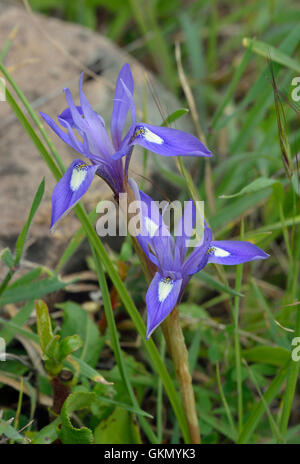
<point>47,55</point>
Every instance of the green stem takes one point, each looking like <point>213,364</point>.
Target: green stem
<point>224,401</point>
<point>34,117</point>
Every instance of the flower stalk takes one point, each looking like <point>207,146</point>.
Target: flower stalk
<point>177,348</point>
<point>175,342</point>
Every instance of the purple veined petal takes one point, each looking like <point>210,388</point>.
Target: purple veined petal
<point>163,248</point>
<point>91,124</point>
<point>66,115</point>
<point>178,259</point>
<point>126,144</point>
<point>121,105</point>
<point>185,281</point>
<point>146,245</point>
<point>96,159</point>
<point>76,143</point>
<point>168,142</point>
<point>78,119</point>
<point>127,160</point>
<point>198,258</point>
<point>161,298</point>
<point>144,241</point>
<point>128,136</point>
<point>96,124</point>
<point>234,252</point>
<point>185,226</point>
<point>152,220</point>
<point>87,109</point>
<point>70,188</point>
<point>61,134</point>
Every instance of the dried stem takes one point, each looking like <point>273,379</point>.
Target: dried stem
<point>177,348</point>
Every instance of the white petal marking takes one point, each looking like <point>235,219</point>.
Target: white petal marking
<point>164,288</point>
<point>78,175</point>
<point>151,137</point>
<point>220,253</point>
<point>151,227</point>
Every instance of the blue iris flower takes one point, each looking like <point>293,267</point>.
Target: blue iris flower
<point>105,153</point>
<point>175,264</point>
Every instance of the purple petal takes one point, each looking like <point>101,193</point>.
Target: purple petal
<point>168,142</point>
<point>163,248</point>
<point>185,227</point>
<point>71,187</point>
<point>161,298</point>
<point>122,104</point>
<point>145,244</point>
<point>151,224</point>
<point>152,219</point>
<point>198,259</point>
<point>78,145</point>
<point>87,109</point>
<point>151,216</point>
<point>234,252</point>
<point>91,125</point>
<point>76,114</point>
<point>66,115</point>
<point>61,134</point>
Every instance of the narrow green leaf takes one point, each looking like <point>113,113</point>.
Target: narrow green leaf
<point>48,434</point>
<point>44,326</point>
<point>7,258</point>
<point>211,282</point>
<point>258,410</point>
<point>172,177</point>
<point>221,427</point>
<point>26,278</point>
<point>10,432</point>
<point>292,378</point>
<point>117,428</point>
<point>271,53</point>
<point>261,96</point>
<point>35,204</point>
<point>86,370</point>
<point>272,422</point>
<point>52,349</point>
<point>274,355</point>
<point>175,116</point>
<point>233,84</point>
<point>8,331</point>
<point>17,329</point>
<point>77,321</point>
<point>74,243</point>
<point>36,289</point>
<point>137,411</point>
<point>68,345</point>
<point>255,186</point>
